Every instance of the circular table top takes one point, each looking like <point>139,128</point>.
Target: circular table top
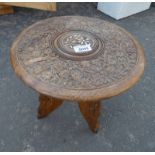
<point>77,58</point>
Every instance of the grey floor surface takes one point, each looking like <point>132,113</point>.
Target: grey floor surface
<point>128,120</point>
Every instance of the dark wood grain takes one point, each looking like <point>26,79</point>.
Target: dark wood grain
<point>91,112</point>
<point>6,9</point>
<point>47,105</point>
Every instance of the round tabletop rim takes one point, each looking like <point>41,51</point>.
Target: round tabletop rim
<point>78,95</point>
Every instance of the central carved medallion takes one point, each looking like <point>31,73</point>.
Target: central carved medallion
<point>78,45</point>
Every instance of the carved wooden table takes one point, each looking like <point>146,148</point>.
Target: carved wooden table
<point>77,58</point>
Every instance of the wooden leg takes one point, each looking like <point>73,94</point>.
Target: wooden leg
<point>47,105</point>
<point>91,112</point>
